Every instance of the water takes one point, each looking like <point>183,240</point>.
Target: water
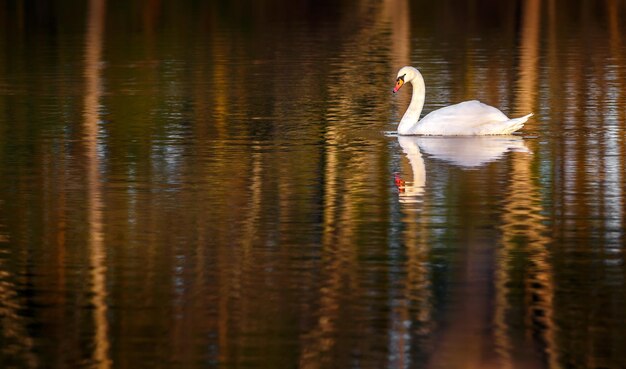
<point>219,185</point>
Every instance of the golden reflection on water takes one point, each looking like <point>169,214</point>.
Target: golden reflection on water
<point>522,218</point>
<point>523,222</point>
<point>98,260</point>
<point>340,254</point>
<point>256,223</point>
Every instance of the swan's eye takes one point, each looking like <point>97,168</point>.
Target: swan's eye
<point>402,77</point>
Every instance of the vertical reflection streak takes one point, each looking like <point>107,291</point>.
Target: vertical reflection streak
<point>246,265</point>
<point>400,337</point>
<point>615,98</point>
<point>220,80</point>
<point>529,55</point>
<point>503,346</point>
<point>522,215</point>
<point>93,54</point>
<point>318,343</point>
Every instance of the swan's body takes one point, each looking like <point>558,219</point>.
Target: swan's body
<point>463,119</point>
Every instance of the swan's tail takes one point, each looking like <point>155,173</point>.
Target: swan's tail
<point>515,124</point>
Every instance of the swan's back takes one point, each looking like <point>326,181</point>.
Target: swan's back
<point>468,118</point>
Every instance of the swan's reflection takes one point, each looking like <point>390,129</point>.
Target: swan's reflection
<point>466,152</point>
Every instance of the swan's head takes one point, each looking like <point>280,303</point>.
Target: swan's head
<point>405,74</point>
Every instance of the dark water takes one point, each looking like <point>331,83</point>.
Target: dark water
<point>213,185</point>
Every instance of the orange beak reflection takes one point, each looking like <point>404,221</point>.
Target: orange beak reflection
<point>399,83</point>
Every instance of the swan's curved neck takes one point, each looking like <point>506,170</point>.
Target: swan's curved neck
<point>412,114</point>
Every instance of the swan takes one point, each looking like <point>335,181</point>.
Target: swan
<point>464,119</point>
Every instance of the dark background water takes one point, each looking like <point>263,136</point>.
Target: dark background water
<point>194,184</point>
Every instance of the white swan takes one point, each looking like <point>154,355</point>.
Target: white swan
<point>463,119</point>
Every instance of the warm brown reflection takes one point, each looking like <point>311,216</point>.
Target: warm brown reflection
<point>414,289</point>
<point>18,343</point>
<point>523,223</point>
<point>98,261</point>
<point>341,198</point>
<point>216,188</point>
<point>527,86</point>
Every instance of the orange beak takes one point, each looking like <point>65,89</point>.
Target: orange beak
<point>399,83</point>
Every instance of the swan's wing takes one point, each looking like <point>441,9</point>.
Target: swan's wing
<point>469,117</point>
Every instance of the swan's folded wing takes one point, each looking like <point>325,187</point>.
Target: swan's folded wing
<point>465,118</point>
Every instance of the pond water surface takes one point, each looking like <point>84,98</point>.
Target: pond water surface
<point>219,185</point>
